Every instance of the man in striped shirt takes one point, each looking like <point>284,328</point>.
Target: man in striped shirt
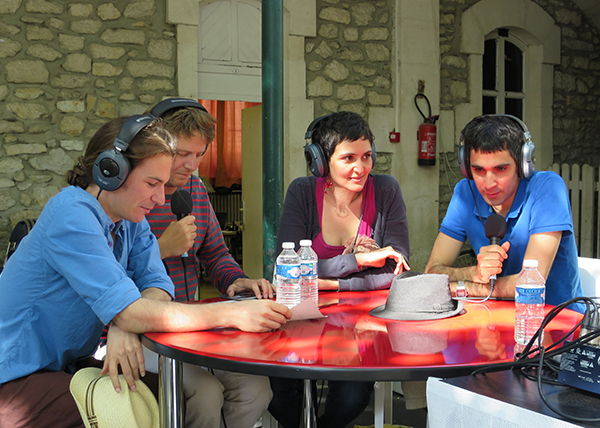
<point>243,398</point>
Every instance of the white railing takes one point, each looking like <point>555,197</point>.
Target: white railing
<point>582,183</point>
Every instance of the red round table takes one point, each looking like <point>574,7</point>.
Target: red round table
<point>350,344</point>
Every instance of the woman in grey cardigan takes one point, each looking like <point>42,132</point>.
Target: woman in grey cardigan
<point>357,222</point>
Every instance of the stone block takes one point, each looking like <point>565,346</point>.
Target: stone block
<point>99,51</point>
<point>71,43</point>
<point>319,87</point>
<point>78,63</point>
<point>108,12</point>
<point>336,71</point>
<point>9,48</point>
<point>86,26</point>
<point>335,14</point>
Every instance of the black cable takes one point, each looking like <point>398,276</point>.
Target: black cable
<point>539,358</point>
<point>185,281</point>
<point>543,397</point>
<point>420,95</point>
<point>472,299</point>
<point>362,210</point>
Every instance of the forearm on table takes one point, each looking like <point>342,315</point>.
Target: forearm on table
<point>148,315</point>
<point>505,287</point>
<point>454,274</point>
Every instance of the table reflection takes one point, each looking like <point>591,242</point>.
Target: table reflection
<point>349,337</point>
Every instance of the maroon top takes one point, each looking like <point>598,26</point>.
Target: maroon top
<point>326,251</point>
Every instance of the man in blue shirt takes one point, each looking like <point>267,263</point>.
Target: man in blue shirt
<point>91,260</point>
<point>496,158</point>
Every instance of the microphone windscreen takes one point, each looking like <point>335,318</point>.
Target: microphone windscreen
<point>181,202</point>
<point>495,226</point>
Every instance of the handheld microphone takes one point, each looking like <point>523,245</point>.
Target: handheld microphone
<point>181,206</point>
<point>495,229</point>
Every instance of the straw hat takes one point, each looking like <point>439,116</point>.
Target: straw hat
<point>417,296</point>
<point>102,407</point>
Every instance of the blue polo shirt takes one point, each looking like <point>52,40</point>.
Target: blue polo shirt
<point>541,205</point>
<point>68,279</point>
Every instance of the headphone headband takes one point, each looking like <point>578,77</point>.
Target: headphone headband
<point>174,103</point>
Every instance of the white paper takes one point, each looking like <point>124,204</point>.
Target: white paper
<point>306,310</point>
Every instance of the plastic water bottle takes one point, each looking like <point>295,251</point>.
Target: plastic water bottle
<point>530,297</point>
<point>287,273</point>
<point>309,286</point>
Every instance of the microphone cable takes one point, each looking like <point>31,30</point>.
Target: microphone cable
<point>185,279</point>
<point>542,359</point>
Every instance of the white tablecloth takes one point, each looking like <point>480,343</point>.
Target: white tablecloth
<point>451,407</point>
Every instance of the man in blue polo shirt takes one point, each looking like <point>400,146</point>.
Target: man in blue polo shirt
<point>496,157</point>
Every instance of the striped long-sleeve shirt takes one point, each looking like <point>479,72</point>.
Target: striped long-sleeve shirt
<point>209,248</point>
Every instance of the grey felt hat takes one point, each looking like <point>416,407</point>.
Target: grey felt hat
<point>415,296</point>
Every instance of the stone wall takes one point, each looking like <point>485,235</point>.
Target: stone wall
<point>67,67</point>
<point>576,95</point>
<point>348,63</point>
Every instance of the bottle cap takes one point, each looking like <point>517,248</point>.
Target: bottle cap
<point>305,243</point>
<point>288,245</point>
<point>530,263</point>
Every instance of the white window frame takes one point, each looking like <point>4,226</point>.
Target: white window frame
<point>500,94</point>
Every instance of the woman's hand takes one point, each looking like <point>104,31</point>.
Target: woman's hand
<point>123,349</point>
<point>378,258</point>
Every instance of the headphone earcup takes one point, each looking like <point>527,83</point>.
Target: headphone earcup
<point>462,161</point>
<point>315,160</point>
<point>111,169</point>
<point>527,163</point>
<point>373,154</point>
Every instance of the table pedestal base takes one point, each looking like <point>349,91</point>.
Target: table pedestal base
<point>170,400</point>
<point>309,417</point>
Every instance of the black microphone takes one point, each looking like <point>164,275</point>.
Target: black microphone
<point>495,229</point>
<point>181,203</point>
<point>181,206</point>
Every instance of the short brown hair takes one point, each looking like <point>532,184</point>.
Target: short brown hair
<point>187,121</point>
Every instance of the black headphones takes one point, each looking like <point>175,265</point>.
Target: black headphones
<point>174,103</point>
<point>111,167</point>
<point>526,165</point>
<point>315,157</point>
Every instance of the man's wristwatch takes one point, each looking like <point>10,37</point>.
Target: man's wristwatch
<point>461,290</point>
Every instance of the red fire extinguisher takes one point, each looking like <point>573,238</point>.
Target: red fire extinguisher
<point>426,136</point>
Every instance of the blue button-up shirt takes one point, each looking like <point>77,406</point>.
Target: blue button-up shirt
<point>67,280</point>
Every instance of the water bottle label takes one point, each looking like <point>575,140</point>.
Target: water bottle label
<point>288,271</point>
<point>307,269</point>
<point>534,296</point>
